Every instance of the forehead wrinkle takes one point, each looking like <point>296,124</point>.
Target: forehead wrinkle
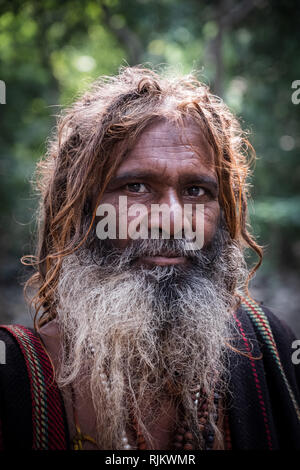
<point>150,152</point>
<point>152,139</point>
<point>164,143</point>
<point>160,144</point>
<point>165,161</point>
<point>192,150</point>
<point>163,173</point>
<point>190,132</point>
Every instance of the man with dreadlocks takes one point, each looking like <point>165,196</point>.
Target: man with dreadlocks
<point>143,343</point>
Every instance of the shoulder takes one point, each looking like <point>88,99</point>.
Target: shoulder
<point>15,396</point>
<point>276,339</point>
<point>17,340</point>
<point>16,353</point>
<point>265,322</point>
<point>11,337</point>
<point>265,381</point>
<point>23,348</point>
<point>29,394</point>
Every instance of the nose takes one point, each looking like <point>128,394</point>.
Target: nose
<point>166,216</point>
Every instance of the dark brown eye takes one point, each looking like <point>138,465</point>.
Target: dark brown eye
<point>136,187</point>
<point>195,191</point>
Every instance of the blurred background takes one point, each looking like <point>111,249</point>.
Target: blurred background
<point>247,51</point>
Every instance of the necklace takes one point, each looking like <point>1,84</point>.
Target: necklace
<point>183,437</point>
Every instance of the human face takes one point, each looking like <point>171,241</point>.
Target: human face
<point>168,165</point>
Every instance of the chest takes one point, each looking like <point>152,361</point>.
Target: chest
<point>167,432</point>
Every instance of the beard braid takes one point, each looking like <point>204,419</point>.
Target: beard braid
<point>157,332</point>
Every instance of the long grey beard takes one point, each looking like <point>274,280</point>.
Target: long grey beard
<point>155,332</point>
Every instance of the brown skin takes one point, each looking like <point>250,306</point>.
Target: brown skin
<point>174,167</point>
<point>168,165</point>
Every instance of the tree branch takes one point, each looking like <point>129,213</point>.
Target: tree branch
<point>237,13</point>
<point>125,36</point>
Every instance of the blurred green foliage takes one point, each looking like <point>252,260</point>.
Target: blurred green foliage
<point>247,51</point>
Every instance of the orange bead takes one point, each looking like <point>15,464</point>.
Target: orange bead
<point>188,447</point>
<point>177,445</point>
<point>188,436</point>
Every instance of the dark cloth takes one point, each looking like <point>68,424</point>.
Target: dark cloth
<point>15,397</point>
<point>32,412</point>
<point>262,403</point>
<point>261,412</point>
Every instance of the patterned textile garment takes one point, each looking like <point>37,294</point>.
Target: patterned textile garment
<point>32,414</point>
<point>262,408</point>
